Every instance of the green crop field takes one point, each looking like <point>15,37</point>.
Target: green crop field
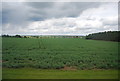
<point>59,54</point>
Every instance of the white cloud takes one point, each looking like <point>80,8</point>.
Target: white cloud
<point>102,18</point>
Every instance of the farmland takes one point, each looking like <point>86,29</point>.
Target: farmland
<point>59,53</point>
<point>59,58</point>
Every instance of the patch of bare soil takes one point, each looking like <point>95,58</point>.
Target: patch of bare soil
<point>1,61</point>
<point>69,68</point>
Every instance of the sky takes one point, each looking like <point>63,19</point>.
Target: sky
<point>58,18</point>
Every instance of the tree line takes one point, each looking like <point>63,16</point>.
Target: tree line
<point>52,36</point>
<point>17,36</point>
<point>107,36</point>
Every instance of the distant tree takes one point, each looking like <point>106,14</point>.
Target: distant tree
<point>25,36</point>
<point>6,35</point>
<point>76,36</point>
<point>18,36</point>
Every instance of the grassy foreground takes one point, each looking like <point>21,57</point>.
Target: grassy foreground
<point>30,73</point>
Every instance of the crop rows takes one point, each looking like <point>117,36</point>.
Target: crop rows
<point>58,53</point>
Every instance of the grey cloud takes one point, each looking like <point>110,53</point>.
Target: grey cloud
<point>14,13</point>
<point>0,15</point>
<point>119,16</point>
<point>39,5</point>
<point>110,22</point>
<point>60,9</point>
<point>19,13</point>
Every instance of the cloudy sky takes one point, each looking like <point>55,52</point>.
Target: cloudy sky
<point>58,18</point>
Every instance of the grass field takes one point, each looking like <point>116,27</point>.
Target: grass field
<point>81,58</point>
<point>30,73</point>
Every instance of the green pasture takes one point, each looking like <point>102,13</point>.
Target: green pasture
<point>30,73</point>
